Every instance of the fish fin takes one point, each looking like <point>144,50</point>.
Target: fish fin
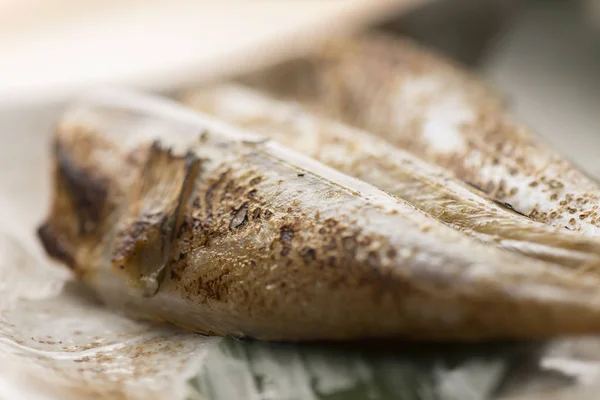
<point>154,214</point>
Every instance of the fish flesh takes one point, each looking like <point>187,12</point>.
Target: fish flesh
<point>430,106</point>
<point>174,216</point>
<point>367,157</point>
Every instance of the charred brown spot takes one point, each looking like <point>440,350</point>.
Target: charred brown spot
<point>184,227</point>
<point>534,213</point>
<point>286,250</point>
<point>252,194</point>
<point>203,136</point>
<point>308,255</point>
<point>331,223</point>
<point>255,181</point>
<point>216,289</point>
<point>87,191</point>
<point>136,233</point>
<point>366,241</point>
<point>554,184</point>
<point>286,235</point>
<point>240,217</point>
<point>54,247</point>
<point>391,253</point>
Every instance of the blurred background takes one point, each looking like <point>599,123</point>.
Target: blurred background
<point>543,55</point>
<point>51,48</point>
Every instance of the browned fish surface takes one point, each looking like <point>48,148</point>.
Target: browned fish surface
<point>435,109</point>
<point>175,216</point>
<point>367,157</point>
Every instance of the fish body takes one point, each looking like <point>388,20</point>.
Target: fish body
<point>174,216</point>
<point>365,156</point>
<point>421,102</point>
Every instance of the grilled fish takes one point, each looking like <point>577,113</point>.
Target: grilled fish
<point>428,105</point>
<point>174,216</point>
<point>369,158</point>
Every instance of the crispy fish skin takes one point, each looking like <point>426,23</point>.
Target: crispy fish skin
<point>174,216</point>
<point>432,107</point>
<point>372,159</point>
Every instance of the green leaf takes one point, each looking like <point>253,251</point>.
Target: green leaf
<point>375,371</point>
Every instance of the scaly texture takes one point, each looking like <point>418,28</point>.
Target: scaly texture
<point>425,104</point>
<point>268,243</point>
<point>367,157</point>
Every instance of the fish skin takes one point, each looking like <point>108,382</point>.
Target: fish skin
<point>367,157</point>
<point>328,257</point>
<point>434,108</point>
